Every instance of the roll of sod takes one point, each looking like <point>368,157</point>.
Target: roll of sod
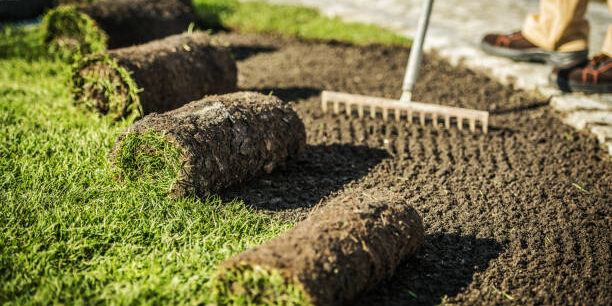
<point>68,33</point>
<point>210,144</point>
<point>132,22</point>
<point>154,77</point>
<point>344,248</point>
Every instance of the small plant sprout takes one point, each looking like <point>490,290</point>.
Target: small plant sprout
<point>580,188</point>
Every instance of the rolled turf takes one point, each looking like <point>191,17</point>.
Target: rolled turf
<point>343,248</point>
<point>210,144</point>
<point>154,77</point>
<point>68,33</point>
<point>128,22</point>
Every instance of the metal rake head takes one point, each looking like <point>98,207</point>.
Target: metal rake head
<point>424,111</point>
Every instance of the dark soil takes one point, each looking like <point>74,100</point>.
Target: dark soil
<point>23,9</point>
<point>227,139</point>
<point>520,215</point>
<point>171,73</point>
<point>132,22</point>
<point>348,245</point>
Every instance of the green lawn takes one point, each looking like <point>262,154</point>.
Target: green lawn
<point>69,231</point>
<point>290,20</point>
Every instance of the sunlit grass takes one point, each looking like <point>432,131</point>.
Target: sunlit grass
<point>290,20</point>
<point>71,231</point>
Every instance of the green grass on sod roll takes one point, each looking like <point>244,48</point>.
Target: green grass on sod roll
<point>70,33</point>
<point>111,80</point>
<point>148,159</point>
<point>255,286</point>
<point>69,232</point>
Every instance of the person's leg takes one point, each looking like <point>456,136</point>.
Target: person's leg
<point>607,45</point>
<point>606,48</point>
<point>559,26</point>
<point>557,35</point>
<point>594,76</point>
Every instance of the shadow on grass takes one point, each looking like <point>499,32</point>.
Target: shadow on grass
<point>320,171</point>
<point>445,265</point>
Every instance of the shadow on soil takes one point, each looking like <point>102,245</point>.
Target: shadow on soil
<point>242,52</point>
<point>443,268</point>
<point>320,171</point>
<point>519,109</point>
<point>289,93</point>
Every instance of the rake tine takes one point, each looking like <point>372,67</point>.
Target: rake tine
<point>336,107</point>
<point>408,87</point>
<point>485,124</point>
<point>434,120</point>
<point>423,111</point>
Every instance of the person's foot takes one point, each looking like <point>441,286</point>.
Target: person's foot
<point>594,76</point>
<point>516,47</point>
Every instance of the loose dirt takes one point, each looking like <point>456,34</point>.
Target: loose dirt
<point>520,215</point>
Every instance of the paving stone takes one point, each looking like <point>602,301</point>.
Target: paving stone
<point>466,22</point>
<point>603,133</point>
<point>581,119</point>
<point>568,103</point>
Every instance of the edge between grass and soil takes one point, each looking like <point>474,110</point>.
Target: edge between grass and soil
<point>71,232</point>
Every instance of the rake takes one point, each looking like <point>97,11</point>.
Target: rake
<point>405,106</point>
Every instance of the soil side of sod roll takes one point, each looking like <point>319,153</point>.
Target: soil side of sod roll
<point>347,246</point>
<point>154,77</point>
<point>132,22</point>
<point>221,141</point>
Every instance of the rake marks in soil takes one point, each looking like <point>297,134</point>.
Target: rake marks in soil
<point>502,217</point>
